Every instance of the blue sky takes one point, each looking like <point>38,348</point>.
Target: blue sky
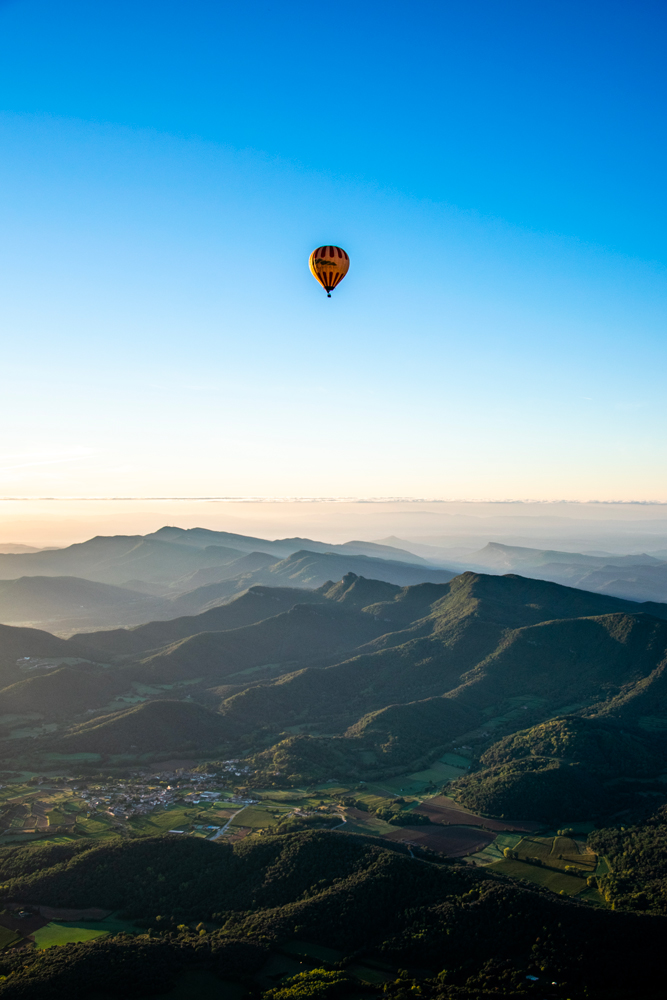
<point>495,171</point>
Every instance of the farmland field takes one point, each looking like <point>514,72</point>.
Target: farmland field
<point>442,809</point>
<point>556,881</point>
<point>372,975</point>
<point>363,822</point>
<point>95,827</point>
<point>57,933</point>
<point>456,841</point>
<point>257,817</point>
<point>556,852</point>
<point>202,985</point>
<point>163,820</point>
<point>408,784</point>
<point>456,760</point>
<point>316,951</point>
<point>8,937</point>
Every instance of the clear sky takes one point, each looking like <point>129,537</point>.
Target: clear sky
<point>496,171</point>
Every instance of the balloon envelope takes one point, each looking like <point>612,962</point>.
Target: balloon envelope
<point>329,265</point>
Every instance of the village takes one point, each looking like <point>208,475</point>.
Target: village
<point>48,805</point>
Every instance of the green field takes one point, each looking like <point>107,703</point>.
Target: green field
<point>438,772</point>
<point>163,820</point>
<point>57,817</point>
<point>592,896</point>
<point>556,881</point>
<point>403,785</point>
<point>456,760</point>
<point>316,951</point>
<point>296,795</point>
<point>488,856</point>
<point>8,937</point>
<point>94,827</point>
<point>557,852</point>
<point>373,826</point>
<point>371,975</point>
<point>204,986</point>
<point>374,798</point>
<point>57,933</point>
<point>71,931</point>
<point>258,818</point>
<point>18,838</point>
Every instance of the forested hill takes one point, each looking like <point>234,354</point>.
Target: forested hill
<point>463,929</point>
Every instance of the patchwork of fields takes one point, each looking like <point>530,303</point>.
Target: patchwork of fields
<point>514,848</point>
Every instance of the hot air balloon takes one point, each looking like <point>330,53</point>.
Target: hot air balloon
<point>329,265</point>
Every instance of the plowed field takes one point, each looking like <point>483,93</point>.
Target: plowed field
<point>456,841</point>
<point>442,809</point>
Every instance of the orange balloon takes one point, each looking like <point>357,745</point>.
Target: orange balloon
<point>329,265</point>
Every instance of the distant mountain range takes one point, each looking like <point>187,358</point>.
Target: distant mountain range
<point>177,572</point>
<point>637,577</point>
<point>309,570</point>
<point>119,581</point>
<point>14,548</point>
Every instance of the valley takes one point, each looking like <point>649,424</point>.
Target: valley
<point>502,733</point>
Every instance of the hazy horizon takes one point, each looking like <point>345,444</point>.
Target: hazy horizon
<point>621,526</point>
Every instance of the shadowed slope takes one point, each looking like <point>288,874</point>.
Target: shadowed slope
<point>307,632</point>
<point>569,661</point>
<point>64,692</point>
<point>154,725</point>
<point>252,606</point>
<point>476,625</point>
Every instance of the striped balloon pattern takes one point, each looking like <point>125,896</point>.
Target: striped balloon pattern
<point>329,265</point>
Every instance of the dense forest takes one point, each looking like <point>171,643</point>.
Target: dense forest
<point>638,858</point>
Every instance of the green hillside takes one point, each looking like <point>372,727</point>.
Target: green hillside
<point>217,574</point>
<point>643,702</point>
<point>401,735</point>
<point>604,747</point>
<point>17,643</point>
<point>568,767</point>
<point>65,603</point>
<point>358,591</point>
